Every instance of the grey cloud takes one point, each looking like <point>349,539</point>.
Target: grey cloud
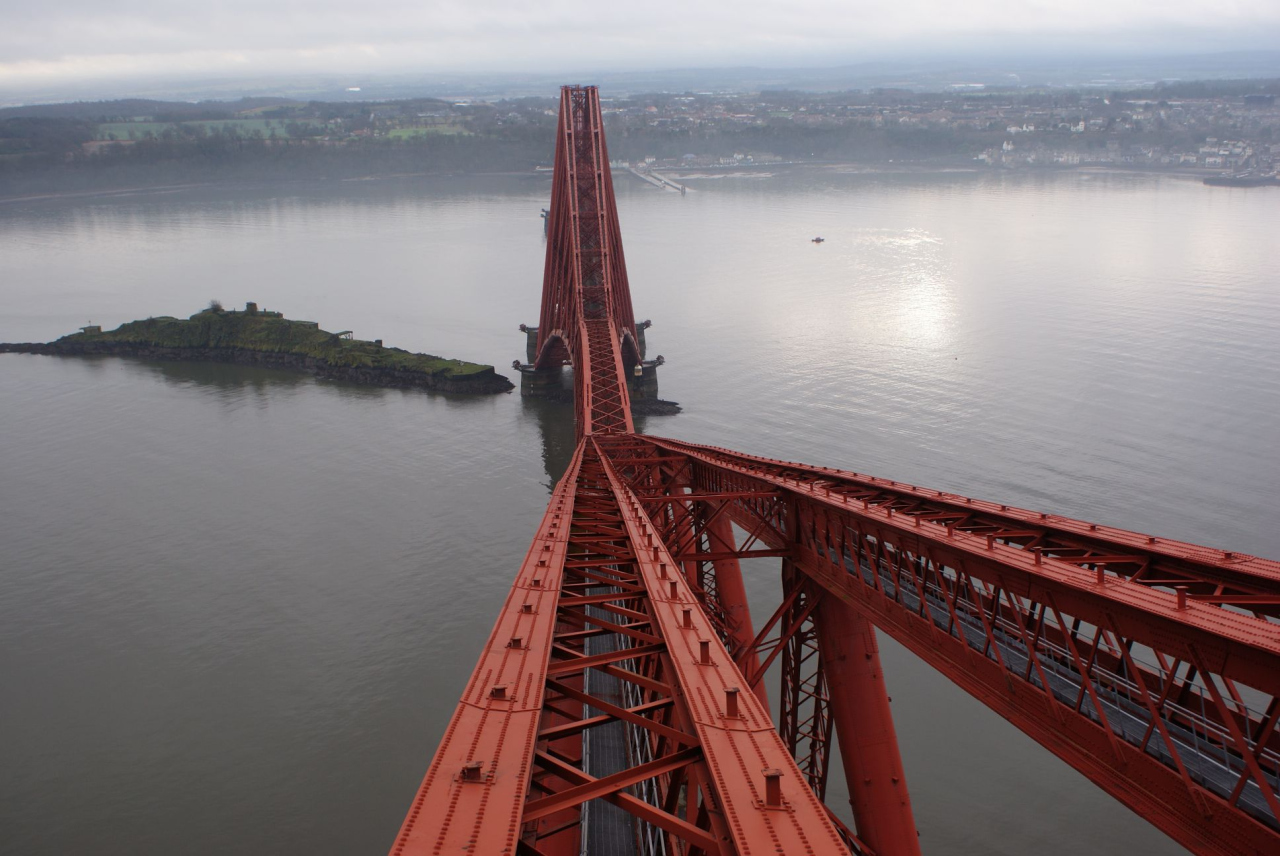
<point>77,37</point>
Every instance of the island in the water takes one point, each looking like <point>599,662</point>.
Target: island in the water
<point>258,337</point>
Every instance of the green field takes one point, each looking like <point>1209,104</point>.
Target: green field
<point>253,111</point>
<point>431,130</point>
<point>142,130</point>
<point>245,126</point>
<point>130,130</point>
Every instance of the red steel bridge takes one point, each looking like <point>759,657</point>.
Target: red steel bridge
<point>620,705</point>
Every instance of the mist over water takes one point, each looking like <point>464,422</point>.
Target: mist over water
<point>237,606</point>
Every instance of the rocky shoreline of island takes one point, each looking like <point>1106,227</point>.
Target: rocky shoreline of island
<point>266,339</point>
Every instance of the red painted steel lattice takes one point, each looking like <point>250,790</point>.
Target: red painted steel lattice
<point>586,317</point>
<point>620,706</point>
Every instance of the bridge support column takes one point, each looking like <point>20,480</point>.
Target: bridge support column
<point>864,730</point>
<point>542,383</point>
<point>733,600</point>
<point>530,343</point>
<point>643,387</point>
<point>538,383</point>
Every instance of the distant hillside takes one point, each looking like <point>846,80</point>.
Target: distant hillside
<point>127,108</point>
<point>1205,89</point>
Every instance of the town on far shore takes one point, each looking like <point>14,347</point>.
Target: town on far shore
<point>1206,128</point>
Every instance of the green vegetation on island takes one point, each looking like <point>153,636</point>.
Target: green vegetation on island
<point>260,330</point>
<point>258,336</point>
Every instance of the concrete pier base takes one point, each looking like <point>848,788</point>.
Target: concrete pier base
<point>547,383</point>
<point>643,387</point>
<point>556,384</point>
<point>530,343</point>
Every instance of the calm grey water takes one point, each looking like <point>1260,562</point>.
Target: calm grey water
<point>237,606</point>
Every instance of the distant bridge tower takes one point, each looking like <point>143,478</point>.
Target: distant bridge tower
<point>585,296</point>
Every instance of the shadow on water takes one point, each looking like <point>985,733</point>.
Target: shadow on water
<point>451,401</point>
<point>555,424</point>
<point>235,378</point>
<point>224,377</point>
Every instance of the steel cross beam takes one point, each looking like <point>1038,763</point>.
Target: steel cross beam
<point>1083,636</point>
<point>605,708</point>
<point>698,532</point>
<point>831,676</point>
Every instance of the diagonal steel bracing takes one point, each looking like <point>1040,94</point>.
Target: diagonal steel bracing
<point>1091,640</point>
<point>705,772</point>
<point>619,705</point>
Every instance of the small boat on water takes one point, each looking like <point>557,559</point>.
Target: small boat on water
<point>818,240</point>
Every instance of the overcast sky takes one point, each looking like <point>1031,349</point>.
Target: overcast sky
<point>65,41</point>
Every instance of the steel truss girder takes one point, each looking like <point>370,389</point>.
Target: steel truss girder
<point>805,714</point>
<point>1169,705</point>
<point>690,514</point>
<point>511,773</point>
<point>492,733</point>
<point>1215,577</point>
<point>685,517</point>
<point>1151,666</point>
<point>693,524</point>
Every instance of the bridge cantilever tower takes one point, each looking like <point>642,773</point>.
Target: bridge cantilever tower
<point>586,319</point>
<point>619,706</point>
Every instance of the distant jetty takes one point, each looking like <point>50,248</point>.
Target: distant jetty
<point>1243,179</point>
<point>257,337</point>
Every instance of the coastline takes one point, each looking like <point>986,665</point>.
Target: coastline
<point>753,171</point>
<point>118,191</point>
<point>487,382</point>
